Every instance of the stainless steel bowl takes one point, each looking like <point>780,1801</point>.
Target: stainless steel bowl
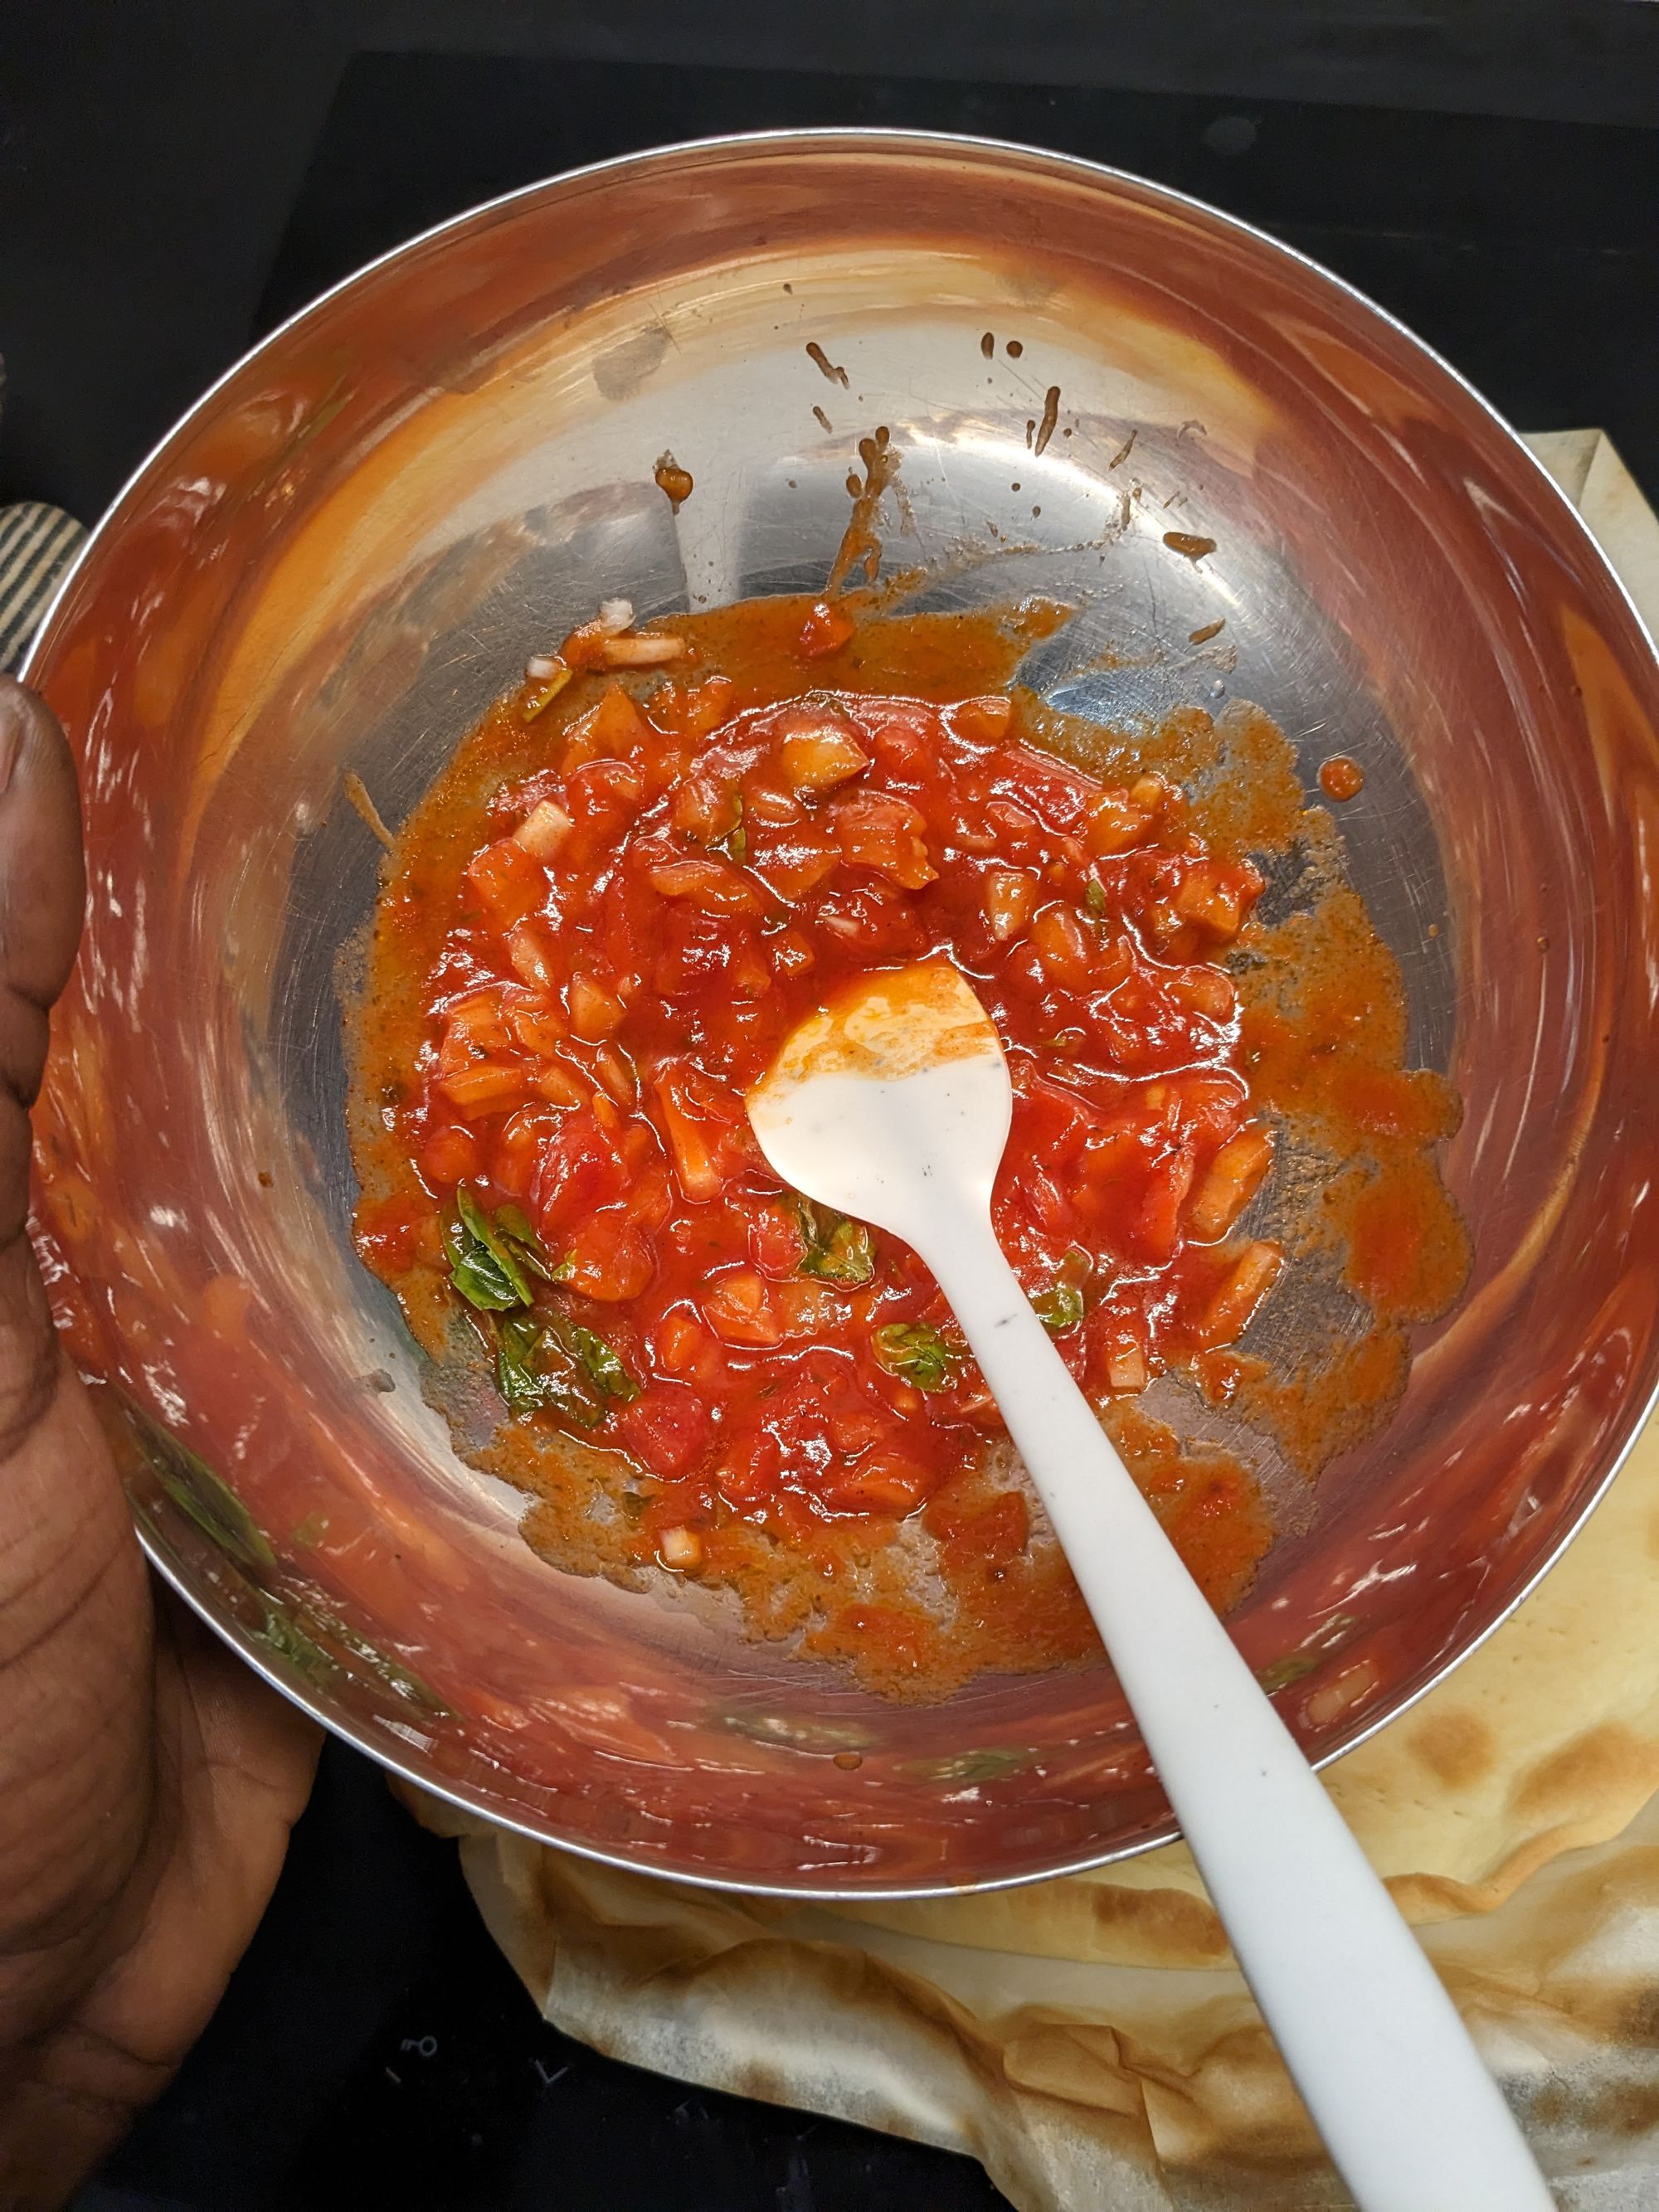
<point>351,543</point>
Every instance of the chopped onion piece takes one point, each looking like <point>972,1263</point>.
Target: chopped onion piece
<point>680,1547</point>
<point>544,830</point>
<point>822,754</point>
<point>645,651</point>
<point>1126,1368</point>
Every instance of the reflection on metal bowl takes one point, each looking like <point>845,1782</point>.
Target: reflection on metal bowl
<point>350,547</point>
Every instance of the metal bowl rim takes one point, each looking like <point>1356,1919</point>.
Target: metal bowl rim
<point>849,137</point>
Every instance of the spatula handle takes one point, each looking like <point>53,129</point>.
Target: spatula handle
<point>1412,2118</point>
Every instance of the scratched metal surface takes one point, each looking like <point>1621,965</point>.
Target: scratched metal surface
<point>350,547</point>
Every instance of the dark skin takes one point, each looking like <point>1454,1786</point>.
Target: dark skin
<point>148,1779</point>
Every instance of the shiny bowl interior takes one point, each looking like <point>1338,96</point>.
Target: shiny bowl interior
<point>351,544</point>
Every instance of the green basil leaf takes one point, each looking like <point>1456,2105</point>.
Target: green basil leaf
<point>201,1496</point>
<point>1281,1672</point>
<point>848,1254</point>
<point>838,1251</point>
<point>491,1262</point>
<point>516,1378</point>
<point>602,1365</point>
<point>325,1649</point>
<point>537,1370</point>
<point>477,1270</point>
<point>512,1228</point>
<point>486,1237</point>
<point>916,1351</point>
<point>988,1765</point>
<point>480,1281</point>
<point>544,1361</point>
<point>1061,1307</point>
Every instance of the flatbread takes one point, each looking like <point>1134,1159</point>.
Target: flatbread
<point>1035,2029</point>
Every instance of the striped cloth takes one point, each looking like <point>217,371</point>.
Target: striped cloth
<point>36,544</point>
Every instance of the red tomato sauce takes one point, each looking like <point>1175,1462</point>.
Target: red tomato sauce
<point>633,927</point>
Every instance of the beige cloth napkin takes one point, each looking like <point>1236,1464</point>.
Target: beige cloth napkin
<point>1088,2039</point>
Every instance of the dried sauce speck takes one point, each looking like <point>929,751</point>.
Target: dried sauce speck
<point>672,481</point>
<point>357,791</point>
<point>860,545</point>
<point>1341,778</point>
<point>824,365</point>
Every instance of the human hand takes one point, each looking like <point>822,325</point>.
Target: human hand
<point>148,1779</point>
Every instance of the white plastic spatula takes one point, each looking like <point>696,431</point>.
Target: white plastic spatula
<point>894,1104</point>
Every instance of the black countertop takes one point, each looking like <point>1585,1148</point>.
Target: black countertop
<point>175,178</point>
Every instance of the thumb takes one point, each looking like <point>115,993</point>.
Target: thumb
<point>75,1626</point>
<point>42,898</point>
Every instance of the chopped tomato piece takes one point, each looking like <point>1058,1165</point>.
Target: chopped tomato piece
<point>510,884</point>
<point>486,1086</point>
<point>826,629</point>
<point>450,1155</point>
<point>708,705</point>
<point>618,725</point>
<point>594,1011</point>
<point>885,1482</point>
<point>820,750</point>
<point>707,883</point>
<point>875,829</point>
<point>666,1427</point>
<point>578,1171</point>
<point>388,1234</point>
<point>738,1309</point>
<point>1009,897</point>
<point>607,1257</point>
<point>691,1140</point>
<point>1229,1182</point>
<point>1065,945</point>
<point>1249,1282</point>
<point>776,1240</point>
<point>987,718</point>
<point>1116,825</point>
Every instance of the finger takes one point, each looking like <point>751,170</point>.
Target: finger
<point>42,881</point>
<point>76,1687</point>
